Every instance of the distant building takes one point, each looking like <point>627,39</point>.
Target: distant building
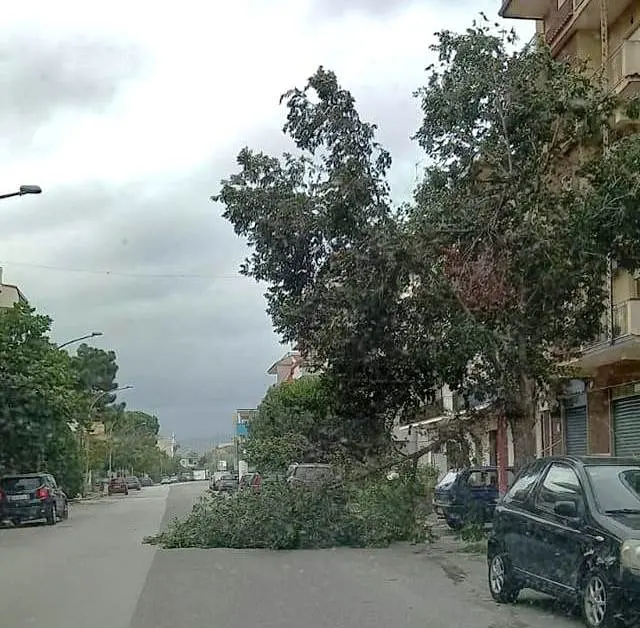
<point>290,366</point>
<point>10,294</point>
<point>167,444</point>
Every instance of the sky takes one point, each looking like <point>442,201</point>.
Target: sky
<point>128,116</point>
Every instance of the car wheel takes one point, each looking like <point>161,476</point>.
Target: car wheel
<point>502,584</point>
<point>52,516</point>
<point>454,523</point>
<point>16,522</point>
<point>599,607</point>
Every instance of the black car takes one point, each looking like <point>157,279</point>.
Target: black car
<point>468,495</point>
<point>570,527</point>
<point>31,497</point>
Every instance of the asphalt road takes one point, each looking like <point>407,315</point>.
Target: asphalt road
<point>92,571</point>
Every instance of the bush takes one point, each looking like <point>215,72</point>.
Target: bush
<point>372,513</point>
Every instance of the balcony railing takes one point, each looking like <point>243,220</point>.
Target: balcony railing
<point>626,320</point>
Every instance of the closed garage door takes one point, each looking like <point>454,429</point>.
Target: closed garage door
<point>626,425</point>
<point>576,422</point>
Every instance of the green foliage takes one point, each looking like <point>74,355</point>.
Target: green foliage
<point>295,422</point>
<point>133,439</point>
<point>472,532</point>
<point>97,370</point>
<point>493,272</point>
<point>326,240</point>
<point>374,513</point>
<point>38,398</point>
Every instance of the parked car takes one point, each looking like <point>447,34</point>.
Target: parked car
<point>570,527</point>
<point>468,495</point>
<point>118,485</point>
<point>225,483</point>
<point>146,481</point>
<point>31,497</point>
<point>250,481</point>
<point>311,474</point>
<point>133,483</point>
<point>165,480</point>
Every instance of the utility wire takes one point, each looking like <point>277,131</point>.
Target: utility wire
<point>115,273</point>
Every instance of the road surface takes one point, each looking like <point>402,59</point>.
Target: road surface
<point>92,571</point>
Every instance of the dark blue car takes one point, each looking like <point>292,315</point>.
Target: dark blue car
<point>468,495</point>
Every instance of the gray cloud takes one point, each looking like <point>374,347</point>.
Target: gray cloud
<point>195,348</point>
<point>337,8</point>
<point>42,77</point>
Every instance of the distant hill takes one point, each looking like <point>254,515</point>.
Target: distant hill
<point>203,444</point>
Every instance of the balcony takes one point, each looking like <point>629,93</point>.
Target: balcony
<point>560,22</point>
<point>525,9</point>
<point>623,345</point>
<point>624,69</point>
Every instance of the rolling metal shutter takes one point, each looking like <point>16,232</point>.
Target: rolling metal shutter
<point>626,426</point>
<point>576,422</point>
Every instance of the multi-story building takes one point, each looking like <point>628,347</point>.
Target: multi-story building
<point>167,444</point>
<point>600,412</point>
<point>10,294</point>
<point>290,366</point>
<point>483,440</point>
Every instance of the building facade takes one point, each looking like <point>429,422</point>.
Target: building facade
<point>599,410</point>
<point>482,438</point>
<point>9,293</point>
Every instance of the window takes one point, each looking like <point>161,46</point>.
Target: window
<point>560,484</point>
<point>481,479</point>
<point>615,487</point>
<point>524,484</point>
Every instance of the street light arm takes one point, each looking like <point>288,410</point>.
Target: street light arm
<point>24,189</point>
<point>104,394</point>
<point>93,334</point>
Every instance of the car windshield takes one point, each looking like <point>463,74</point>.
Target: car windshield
<point>20,485</point>
<point>616,487</point>
<point>448,479</point>
<point>132,479</point>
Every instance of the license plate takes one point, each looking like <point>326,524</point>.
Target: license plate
<point>18,498</point>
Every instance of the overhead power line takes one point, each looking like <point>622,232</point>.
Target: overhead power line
<point>117,273</point>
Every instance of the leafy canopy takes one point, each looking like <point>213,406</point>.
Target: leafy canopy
<point>39,401</point>
<point>295,422</point>
<point>494,270</point>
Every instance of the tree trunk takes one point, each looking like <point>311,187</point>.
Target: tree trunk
<point>522,414</point>
<point>523,429</point>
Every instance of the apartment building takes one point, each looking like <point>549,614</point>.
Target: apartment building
<point>10,294</point>
<point>600,410</point>
<point>292,365</point>
<point>445,404</point>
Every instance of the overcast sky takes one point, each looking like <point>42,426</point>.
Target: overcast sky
<point>128,115</point>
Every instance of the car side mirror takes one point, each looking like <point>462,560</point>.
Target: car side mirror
<point>566,509</point>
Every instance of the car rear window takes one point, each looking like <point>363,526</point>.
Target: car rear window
<point>20,485</point>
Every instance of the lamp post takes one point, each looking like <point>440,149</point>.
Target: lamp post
<point>24,189</point>
<point>108,435</point>
<point>93,334</point>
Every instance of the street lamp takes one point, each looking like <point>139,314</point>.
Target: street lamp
<point>93,334</point>
<point>92,406</point>
<point>24,189</point>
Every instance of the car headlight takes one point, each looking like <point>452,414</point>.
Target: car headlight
<point>630,555</point>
